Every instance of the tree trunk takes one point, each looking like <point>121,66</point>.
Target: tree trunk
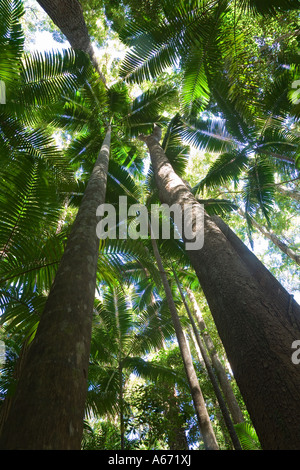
<point>48,407</point>
<point>67,15</point>
<point>234,408</point>
<point>256,318</point>
<point>121,399</point>
<point>210,372</point>
<point>120,374</point>
<point>175,432</point>
<point>205,426</point>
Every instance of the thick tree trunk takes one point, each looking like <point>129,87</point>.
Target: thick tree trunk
<point>67,15</point>
<point>48,407</point>
<point>262,275</point>
<point>205,426</point>
<point>256,318</point>
<point>234,408</point>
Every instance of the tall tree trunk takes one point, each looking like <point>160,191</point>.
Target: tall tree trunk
<point>257,319</point>
<point>176,433</point>
<point>120,374</point>
<point>121,399</point>
<point>217,411</point>
<point>67,15</point>
<point>48,406</point>
<point>234,408</point>
<point>205,426</point>
<point>210,372</point>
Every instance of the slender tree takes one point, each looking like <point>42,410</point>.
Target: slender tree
<point>122,335</point>
<point>210,371</point>
<point>199,403</point>
<point>222,374</point>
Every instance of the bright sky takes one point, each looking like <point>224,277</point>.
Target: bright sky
<point>45,42</point>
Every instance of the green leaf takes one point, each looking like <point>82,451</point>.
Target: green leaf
<point>247,436</point>
<point>228,167</point>
<point>258,191</point>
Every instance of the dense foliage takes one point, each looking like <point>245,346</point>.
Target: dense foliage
<point>219,79</point>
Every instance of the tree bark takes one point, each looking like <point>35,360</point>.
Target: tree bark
<point>175,432</point>
<point>48,407</point>
<point>256,318</point>
<point>234,408</point>
<point>67,15</point>
<point>121,398</point>
<point>120,374</point>
<point>205,426</point>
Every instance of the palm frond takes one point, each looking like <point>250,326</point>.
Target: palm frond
<point>26,204</point>
<point>176,151</point>
<point>269,7</point>
<point>157,47</point>
<point>276,101</point>
<point>149,370</point>
<point>49,75</point>
<point>247,436</point>
<point>258,191</point>
<point>195,84</point>
<point>11,40</point>
<point>238,124</point>
<point>207,134</point>
<point>22,314</point>
<point>147,109</point>
<point>227,167</point>
<point>217,206</point>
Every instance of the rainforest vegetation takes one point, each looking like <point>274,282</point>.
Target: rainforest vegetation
<point>130,341</point>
